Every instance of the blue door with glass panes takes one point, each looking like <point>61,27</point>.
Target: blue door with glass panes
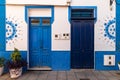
<point>39,42</point>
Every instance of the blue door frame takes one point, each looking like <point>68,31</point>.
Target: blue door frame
<point>39,42</point>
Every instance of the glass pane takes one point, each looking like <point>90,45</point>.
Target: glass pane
<point>35,21</point>
<point>45,21</point>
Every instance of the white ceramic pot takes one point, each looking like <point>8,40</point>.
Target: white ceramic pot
<point>119,66</point>
<point>1,70</point>
<point>14,73</point>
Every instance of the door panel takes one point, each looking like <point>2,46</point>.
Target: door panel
<point>46,47</point>
<point>39,46</point>
<point>76,47</point>
<point>34,34</point>
<point>46,38</point>
<point>34,49</point>
<point>82,44</point>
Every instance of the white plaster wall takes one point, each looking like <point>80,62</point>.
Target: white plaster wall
<point>43,12</point>
<point>61,25</point>
<point>103,43</point>
<point>85,2</point>
<point>104,15</point>
<point>15,16</point>
<point>38,2</point>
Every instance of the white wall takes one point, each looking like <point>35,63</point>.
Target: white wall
<point>43,12</point>
<point>38,2</point>
<point>105,15</point>
<point>61,25</point>
<point>15,20</point>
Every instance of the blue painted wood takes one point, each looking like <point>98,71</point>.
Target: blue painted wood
<point>82,13</point>
<point>46,46</point>
<point>34,46</point>
<point>82,7</point>
<point>82,44</point>
<point>2,2</point>
<point>39,45</point>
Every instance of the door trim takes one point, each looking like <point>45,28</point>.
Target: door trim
<point>27,21</point>
<point>82,7</point>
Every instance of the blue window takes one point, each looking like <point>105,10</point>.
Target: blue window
<point>82,13</point>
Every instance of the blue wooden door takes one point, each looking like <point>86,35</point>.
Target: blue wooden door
<point>39,44</point>
<point>82,44</point>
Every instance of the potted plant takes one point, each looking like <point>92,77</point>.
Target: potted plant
<point>16,63</point>
<point>2,60</point>
<point>119,65</point>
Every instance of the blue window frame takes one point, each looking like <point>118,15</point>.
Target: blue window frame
<point>42,7</point>
<point>94,8</point>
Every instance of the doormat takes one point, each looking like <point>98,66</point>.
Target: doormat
<point>85,79</point>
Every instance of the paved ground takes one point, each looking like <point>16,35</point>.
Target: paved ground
<point>76,74</point>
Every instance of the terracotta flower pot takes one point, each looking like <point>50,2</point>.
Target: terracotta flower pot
<point>14,73</point>
<point>1,70</point>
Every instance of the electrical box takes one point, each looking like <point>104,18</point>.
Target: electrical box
<point>57,36</point>
<point>62,36</point>
<point>65,36</point>
<point>109,60</point>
